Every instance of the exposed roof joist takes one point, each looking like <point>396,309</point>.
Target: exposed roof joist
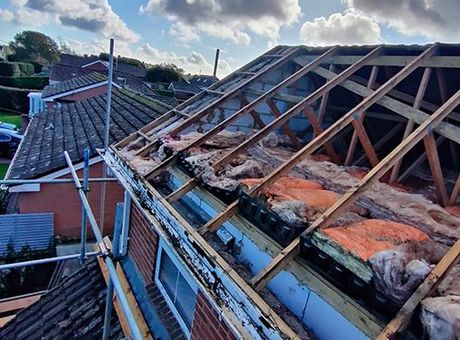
<point>447,130</point>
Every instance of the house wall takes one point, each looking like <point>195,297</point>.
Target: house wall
<point>95,91</point>
<point>96,67</point>
<point>64,202</point>
<point>143,249</point>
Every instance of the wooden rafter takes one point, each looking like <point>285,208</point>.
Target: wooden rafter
<point>287,115</point>
<point>255,115</point>
<point>324,100</point>
<point>317,130</point>
<point>287,130</point>
<point>445,129</point>
<point>228,95</point>
<point>410,123</point>
<point>365,141</point>
<point>435,167</point>
<point>259,100</point>
<point>455,192</point>
<point>417,162</point>
<point>382,141</point>
<point>177,110</point>
<point>354,137</point>
<point>353,194</point>
<point>346,119</point>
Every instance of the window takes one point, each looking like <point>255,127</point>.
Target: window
<point>177,286</point>
<point>5,138</point>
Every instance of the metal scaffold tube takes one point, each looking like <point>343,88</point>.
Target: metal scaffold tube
<point>135,332</point>
<point>84,223</point>
<point>47,260</point>
<point>9,182</point>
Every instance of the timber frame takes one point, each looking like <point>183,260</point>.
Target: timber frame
<point>421,120</point>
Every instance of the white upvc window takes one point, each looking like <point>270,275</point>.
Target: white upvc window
<point>177,286</point>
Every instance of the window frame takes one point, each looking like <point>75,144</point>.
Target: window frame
<point>164,247</point>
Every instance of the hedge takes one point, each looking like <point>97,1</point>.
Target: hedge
<point>35,83</point>
<point>8,69</point>
<point>14,99</point>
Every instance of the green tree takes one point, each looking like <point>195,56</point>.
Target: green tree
<point>164,73</point>
<point>34,47</point>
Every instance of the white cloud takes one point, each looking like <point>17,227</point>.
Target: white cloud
<point>6,15</point>
<point>94,16</point>
<point>349,28</point>
<point>434,19</point>
<point>184,34</point>
<point>231,20</point>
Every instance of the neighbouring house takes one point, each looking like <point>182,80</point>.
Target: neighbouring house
<point>95,64</point>
<point>74,127</point>
<point>185,89</point>
<point>67,73</point>
<point>75,89</point>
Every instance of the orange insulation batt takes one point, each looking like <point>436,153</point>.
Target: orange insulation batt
<point>299,189</point>
<point>368,237</point>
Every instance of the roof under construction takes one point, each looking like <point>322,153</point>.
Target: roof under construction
<point>346,155</point>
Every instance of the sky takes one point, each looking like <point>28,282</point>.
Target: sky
<point>187,32</point>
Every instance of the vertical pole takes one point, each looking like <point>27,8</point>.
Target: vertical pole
<point>83,211</point>
<point>106,136</point>
<point>125,228</point>
<point>216,62</point>
<point>115,252</point>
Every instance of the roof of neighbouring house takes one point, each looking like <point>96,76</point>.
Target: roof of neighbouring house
<point>73,84</point>
<point>184,86</point>
<point>203,81</point>
<point>74,310</point>
<point>76,60</point>
<point>62,72</point>
<point>75,126</point>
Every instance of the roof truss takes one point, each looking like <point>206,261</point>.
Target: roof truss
<point>384,95</point>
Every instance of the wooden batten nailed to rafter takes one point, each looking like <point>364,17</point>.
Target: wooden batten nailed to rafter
<point>353,194</point>
<point>303,104</point>
<point>221,126</point>
<point>346,119</point>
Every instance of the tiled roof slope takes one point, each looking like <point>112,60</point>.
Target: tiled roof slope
<point>72,310</point>
<point>76,126</point>
<point>73,84</point>
<point>62,72</point>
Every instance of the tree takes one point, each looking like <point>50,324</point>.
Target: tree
<point>164,73</point>
<point>124,60</point>
<point>34,47</point>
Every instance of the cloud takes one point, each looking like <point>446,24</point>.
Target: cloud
<point>184,34</point>
<point>94,16</point>
<point>349,28</point>
<point>434,19</point>
<point>193,63</point>
<point>231,20</point>
<point>6,15</point>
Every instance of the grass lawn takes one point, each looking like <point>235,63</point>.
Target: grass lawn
<point>3,169</point>
<point>12,118</point>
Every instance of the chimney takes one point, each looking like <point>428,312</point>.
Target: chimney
<point>216,62</point>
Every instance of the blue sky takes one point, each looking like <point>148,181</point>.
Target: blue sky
<point>187,32</point>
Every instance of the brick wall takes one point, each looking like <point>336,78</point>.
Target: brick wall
<point>143,244</point>
<point>95,91</point>
<point>64,202</point>
<point>206,323</point>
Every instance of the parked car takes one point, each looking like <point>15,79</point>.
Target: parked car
<point>8,126</point>
<point>9,142</point>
